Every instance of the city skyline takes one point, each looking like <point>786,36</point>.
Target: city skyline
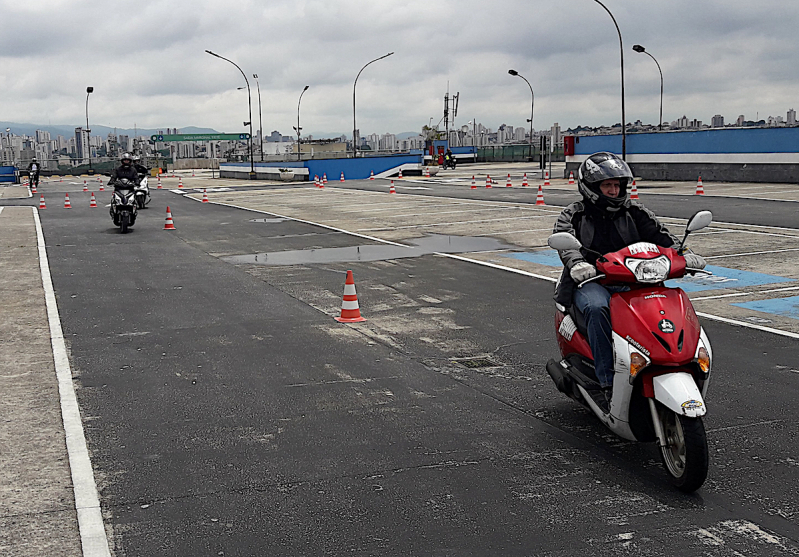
<point>732,60</point>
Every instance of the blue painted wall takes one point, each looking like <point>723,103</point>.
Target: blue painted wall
<point>353,169</point>
<point>8,174</point>
<point>738,140</point>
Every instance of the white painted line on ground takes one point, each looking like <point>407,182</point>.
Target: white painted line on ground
<point>755,293</point>
<point>549,229</point>
<point>450,223</point>
<point>87,502</point>
<point>751,253</point>
<point>501,267</point>
<point>747,325</point>
<point>727,196</point>
<point>302,221</point>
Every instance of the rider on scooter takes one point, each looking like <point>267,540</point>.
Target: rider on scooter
<point>606,220</point>
<point>125,170</point>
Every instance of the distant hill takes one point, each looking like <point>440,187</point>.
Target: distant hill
<point>103,131</point>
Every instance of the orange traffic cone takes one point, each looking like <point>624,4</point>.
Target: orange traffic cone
<point>41,203</point>
<point>322,185</point>
<point>180,183</point>
<point>508,184</point>
<point>67,204</point>
<point>539,199</point>
<point>85,186</point>
<point>316,180</point>
<point>192,173</point>
<point>169,225</point>
<point>391,189</point>
<point>546,178</point>
<point>159,182</point>
<point>205,196</point>
<point>33,188</point>
<point>93,202</point>
<point>474,186</point>
<point>102,188</point>
<point>700,189</point>
<point>634,191</point>
<point>488,181</point>
<point>60,178</point>
<point>350,312</point>
<point>571,178</point>
<point>342,177</point>
<point>371,174</point>
<point>524,181</point>
<point>400,174</point>
<point>324,178</point>
<point>99,179</point>
<point>426,171</point>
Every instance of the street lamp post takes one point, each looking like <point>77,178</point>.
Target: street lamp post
<point>298,128</point>
<point>354,126</point>
<point>260,120</point>
<point>532,108</point>
<point>623,115</point>
<point>639,48</point>
<point>89,91</point>
<point>249,101</point>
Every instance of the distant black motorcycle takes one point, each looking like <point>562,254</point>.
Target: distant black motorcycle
<point>449,162</point>
<point>123,204</point>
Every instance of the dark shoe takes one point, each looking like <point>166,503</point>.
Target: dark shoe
<point>603,400</point>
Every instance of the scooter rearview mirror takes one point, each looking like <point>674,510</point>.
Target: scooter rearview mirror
<point>700,220</point>
<point>563,240</point>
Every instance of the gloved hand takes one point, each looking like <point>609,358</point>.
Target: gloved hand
<point>582,271</point>
<point>693,261</point>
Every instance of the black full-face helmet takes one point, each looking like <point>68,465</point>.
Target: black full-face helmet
<point>597,168</point>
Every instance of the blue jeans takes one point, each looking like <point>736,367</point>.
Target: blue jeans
<point>593,300</point>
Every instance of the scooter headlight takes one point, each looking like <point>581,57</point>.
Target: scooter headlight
<point>649,270</point>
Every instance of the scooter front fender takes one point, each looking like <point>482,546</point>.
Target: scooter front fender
<point>678,392</point>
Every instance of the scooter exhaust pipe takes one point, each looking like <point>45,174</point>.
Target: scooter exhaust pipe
<point>556,373</point>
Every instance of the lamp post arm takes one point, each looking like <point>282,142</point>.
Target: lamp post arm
<point>354,126</point>
<point>249,103</point>
<point>660,122</point>
<point>623,115</point>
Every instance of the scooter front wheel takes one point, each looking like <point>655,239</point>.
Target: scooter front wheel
<point>685,455</point>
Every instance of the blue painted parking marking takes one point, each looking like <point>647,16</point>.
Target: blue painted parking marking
<point>788,307</point>
<point>547,257</point>
<point>722,277</point>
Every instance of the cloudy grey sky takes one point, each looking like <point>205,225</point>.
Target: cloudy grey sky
<point>147,63</point>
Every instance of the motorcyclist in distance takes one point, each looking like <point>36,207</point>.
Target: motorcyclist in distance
<point>125,170</point>
<point>605,221</point>
<point>34,168</point>
<point>140,168</point>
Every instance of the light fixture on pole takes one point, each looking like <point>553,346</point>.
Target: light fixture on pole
<point>623,115</point>
<point>639,48</point>
<point>260,120</point>
<point>532,108</point>
<point>298,128</point>
<point>354,126</point>
<point>249,101</point>
<point>89,91</point>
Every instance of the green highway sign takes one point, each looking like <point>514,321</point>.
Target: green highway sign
<point>201,137</point>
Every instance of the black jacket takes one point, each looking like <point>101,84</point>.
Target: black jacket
<point>123,171</point>
<point>633,223</point>
<point>38,168</point>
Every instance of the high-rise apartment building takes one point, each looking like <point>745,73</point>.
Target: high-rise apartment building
<point>791,119</point>
<point>81,144</point>
<point>717,121</point>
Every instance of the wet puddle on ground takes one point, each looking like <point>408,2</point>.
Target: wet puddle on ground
<point>371,252</point>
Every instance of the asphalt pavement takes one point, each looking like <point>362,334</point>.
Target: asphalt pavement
<point>228,413</point>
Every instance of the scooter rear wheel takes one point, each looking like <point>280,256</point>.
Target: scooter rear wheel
<point>685,455</point>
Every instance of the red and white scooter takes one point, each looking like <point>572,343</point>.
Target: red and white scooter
<point>662,357</point>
